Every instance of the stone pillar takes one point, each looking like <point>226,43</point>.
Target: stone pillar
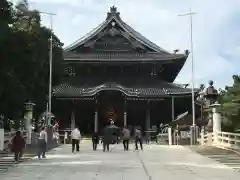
<point>1,132</point>
<point>216,116</point>
<point>96,119</point>
<point>173,109</point>
<point>125,114</point>
<point>28,116</point>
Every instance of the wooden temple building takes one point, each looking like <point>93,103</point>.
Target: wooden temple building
<point>115,73</point>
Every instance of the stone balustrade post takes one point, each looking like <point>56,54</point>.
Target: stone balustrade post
<point>209,139</point>
<point>170,136</point>
<point>202,136</point>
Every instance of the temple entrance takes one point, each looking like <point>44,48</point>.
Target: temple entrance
<point>111,106</point>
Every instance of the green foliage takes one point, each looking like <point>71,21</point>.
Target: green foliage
<point>230,100</point>
<point>24,49</point>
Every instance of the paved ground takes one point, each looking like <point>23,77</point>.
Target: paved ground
<point>154,162</point>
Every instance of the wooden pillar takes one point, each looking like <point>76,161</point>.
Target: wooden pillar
<point>148,116</point>
<point>148,122</point>
<point>173,110</point>
<point>125,113</point>
<point>96,118</point>
<point>73,122</point>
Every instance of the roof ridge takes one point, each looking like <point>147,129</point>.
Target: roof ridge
<point>114,15</point>
<point>70,46</point>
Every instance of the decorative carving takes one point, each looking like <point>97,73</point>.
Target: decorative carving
<point>113,12</point>
<point>111,114</point>
<point>113,31</point>
<point>70,71</point>
<point>113,23</point>
<point>113,41</point>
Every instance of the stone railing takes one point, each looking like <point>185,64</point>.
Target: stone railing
<point>162,138</point>
<point>221,139</point>
<point>206,139</point>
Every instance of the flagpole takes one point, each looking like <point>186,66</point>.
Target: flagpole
<point>193,128</point>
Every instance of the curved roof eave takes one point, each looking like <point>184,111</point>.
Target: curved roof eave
<point>125,26</point>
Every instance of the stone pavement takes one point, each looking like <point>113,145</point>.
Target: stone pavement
<point>154,162</point>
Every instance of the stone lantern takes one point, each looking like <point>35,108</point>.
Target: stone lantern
<point>211,93</point>
<point>201,99</point>
<point>28,116</point>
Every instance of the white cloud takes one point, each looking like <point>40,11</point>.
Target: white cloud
<point>158,21</point>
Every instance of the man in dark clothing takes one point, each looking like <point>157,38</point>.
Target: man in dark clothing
<point>107,138</point>
<point>18,144</point>
<point>138,138</point>
<point>126,137</point>
<point>95,141</point>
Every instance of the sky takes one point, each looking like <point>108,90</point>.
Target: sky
<point>216,37</point>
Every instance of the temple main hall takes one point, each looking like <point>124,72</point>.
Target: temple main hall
<point>116,73</point>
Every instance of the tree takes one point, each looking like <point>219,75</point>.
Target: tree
<point>25,60</point>
<point>35,74</point>
<point>230,100</point>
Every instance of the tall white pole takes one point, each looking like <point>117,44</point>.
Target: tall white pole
<point>190,14</point>
<point>193,94</point>
<point>50,74</point>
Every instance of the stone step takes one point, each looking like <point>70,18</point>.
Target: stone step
<point>8,161</point>
<point>224,156</point>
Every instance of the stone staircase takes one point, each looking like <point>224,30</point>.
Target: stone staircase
<point>7,160</point>
<point>224,156</point>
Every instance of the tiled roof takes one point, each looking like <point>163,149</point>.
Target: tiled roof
<point>122,56</point>
<point>114,16</point>
<point>132,87</point>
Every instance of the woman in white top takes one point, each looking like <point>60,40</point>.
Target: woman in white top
<point>42,143</point>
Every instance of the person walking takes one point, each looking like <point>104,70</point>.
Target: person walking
<point>18,144</point>
<point>55,132</point>
<point>42,143</point>
<point>95,141</point>
<point>138,138</point>
<point>126,138</point>
<point>76,137</point>
<point>107,138</point>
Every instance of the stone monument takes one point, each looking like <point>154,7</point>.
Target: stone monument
<point>28,117</point>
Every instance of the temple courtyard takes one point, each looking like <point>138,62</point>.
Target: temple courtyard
<point>154,162</point>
